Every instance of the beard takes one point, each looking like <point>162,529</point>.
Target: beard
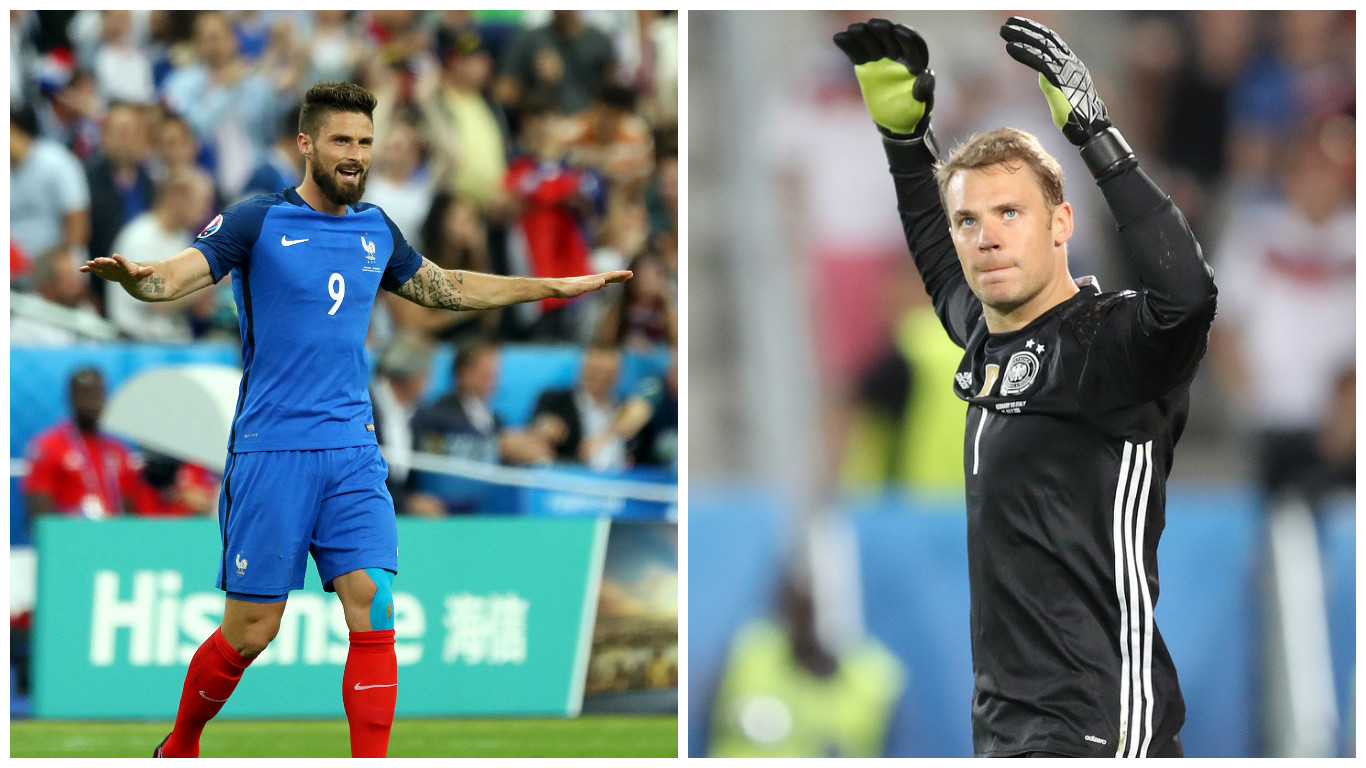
<point>333,189</point>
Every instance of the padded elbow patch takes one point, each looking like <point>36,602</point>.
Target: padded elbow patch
<point>382,604</point>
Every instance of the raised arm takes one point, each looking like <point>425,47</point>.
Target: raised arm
<point>891,62</point>
<point>457,289</point>
<point>180,275</point>
<point>1160,334</point>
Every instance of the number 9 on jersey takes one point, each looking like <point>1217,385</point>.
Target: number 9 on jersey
<point>336,288</point>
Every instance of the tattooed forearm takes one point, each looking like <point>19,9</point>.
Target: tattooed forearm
<point>435,287</point>
<point>151,288</point>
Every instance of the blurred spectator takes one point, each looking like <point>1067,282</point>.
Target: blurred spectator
<point>120,185</point>
<point>173,488</point>
<point>74,468</point>
<point>1307,69</point>
<point>49,201</point>
<point>462,424</point>
<point>282,166</point>
<point>662,195</point>
<point>55,277</point>
<point>22,54</point>
<point>175,146</point>
<point>233,110</point>
<point>1184,71</point>
<point>477,123</point>
<point>112,44</point>
<point>69,110</point>
<point>623,233</point>
<point>612,139</point>
<point>645,315</point>
<point>184,203</point>
<point>566,61</point>
<point>254,33</point>
<point>553,202</point>
<point>647,423</point>
<point>1287,290</point>
<point>398,35</point>
<point>168,46</point>
<point>453,236</point>
<point>401,179</point>
<point>903,427</point>
<point>400,379</point>
<point>785,694</point>
<point>656,78</point>
<point>571,415</point>
<point>334,48</point>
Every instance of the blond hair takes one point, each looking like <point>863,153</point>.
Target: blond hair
<point>1004,145</point>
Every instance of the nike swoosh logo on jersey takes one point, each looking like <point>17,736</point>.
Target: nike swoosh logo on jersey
<point>216,701</point>
<point>360,687</point>
<point>286,242</point>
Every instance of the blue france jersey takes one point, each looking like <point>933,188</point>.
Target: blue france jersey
<point>305,284</point>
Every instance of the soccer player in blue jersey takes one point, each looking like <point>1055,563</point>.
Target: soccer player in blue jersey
<point>304,472</point>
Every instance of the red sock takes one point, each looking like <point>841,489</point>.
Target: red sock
<point>213,674</point>
<point>370,690</point>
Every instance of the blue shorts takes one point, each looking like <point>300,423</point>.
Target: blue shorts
<point>277,507</point>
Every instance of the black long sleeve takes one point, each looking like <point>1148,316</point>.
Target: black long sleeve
<point>927,235</point>
<point>1151,341</point>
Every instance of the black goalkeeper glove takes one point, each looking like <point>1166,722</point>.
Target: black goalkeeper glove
<point>1066,84</point>
<point>891,63</point>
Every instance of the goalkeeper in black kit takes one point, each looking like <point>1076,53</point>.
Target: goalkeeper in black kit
<point>1077,399</point>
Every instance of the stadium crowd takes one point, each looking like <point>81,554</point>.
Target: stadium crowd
<point>514,142</point>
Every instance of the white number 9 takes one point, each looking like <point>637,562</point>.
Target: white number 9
<point>336,288</point>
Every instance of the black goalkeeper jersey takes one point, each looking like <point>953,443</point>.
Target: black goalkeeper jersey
<point>1071,426</point>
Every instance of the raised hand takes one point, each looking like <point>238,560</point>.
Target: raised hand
<point>891,62</point>
<point>1065,81</point>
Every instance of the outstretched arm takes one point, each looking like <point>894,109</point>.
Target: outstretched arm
<point>1160,339</point>
<point>457,289</point>
<point>180,275</point>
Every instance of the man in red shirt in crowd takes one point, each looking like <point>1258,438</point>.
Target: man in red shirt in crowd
<point>172,488</point>
<point>76,470</point>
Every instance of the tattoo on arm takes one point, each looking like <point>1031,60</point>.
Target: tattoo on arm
<point>154,286</point>
<point>434,287</point>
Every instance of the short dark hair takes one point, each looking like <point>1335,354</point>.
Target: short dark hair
<point>325,98</point>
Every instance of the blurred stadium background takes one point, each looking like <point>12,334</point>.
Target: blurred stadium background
<point>534,472</point>
<point>816,365</point>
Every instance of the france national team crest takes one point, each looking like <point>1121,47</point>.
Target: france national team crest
<point>370,264</point>
<point>213,226</point>
<point>1020,372</point>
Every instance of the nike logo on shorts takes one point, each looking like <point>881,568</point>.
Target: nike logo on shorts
<point>360,687</point>
<point>216,701</point>
<point>286,242</point>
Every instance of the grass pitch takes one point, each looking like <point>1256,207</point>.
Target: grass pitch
<point>586,736</point>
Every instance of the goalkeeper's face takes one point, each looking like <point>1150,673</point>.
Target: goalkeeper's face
<point>339,158</point>
<point>1011,245</point>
